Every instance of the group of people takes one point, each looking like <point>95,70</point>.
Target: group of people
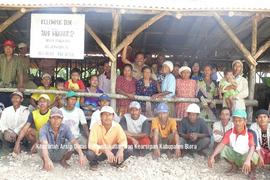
<point>56,125</point>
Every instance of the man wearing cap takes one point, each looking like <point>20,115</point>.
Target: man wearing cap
<point>57,142</point>
<point>13,118</point>
<point>137,128</point>
<point>193,131</point>
<point>104,100</point>
<point>34,123</point>
<point>74,117</point>
<point>46,82</point>
<point>262,129</point>
<point>238,146</point>
<point>107,140</point>
<point>168,84</point>
<point>11,74</point>
<point>164,133</point>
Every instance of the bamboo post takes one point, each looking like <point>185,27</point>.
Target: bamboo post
<point>262,49</point>
<point>12,19</point>
<point>235,39</point>
<point>128,40</point>
<point>115,28</point>
<point>99,42</point>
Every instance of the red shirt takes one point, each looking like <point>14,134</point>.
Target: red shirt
<point>74,85</point>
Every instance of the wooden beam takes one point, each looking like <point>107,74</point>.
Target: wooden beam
<point>129,39</point>
<point>12,19</point>
<point>100,43</point>
<point>115,29</point>
<point>235,39</point>
<point>262,49</point>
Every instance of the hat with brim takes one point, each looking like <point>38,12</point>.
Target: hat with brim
<point>9,43</point>
<point>104,97</point>
<point>71,94</point>
<point>44,96</point>
<point>135,104</point>
<point>162,108</point>
<point>184,68</point>
<point>18,93</point>
<point>169,64</point>
<point>262,111</point>
<point>22,45</point>
<point>55,112</point>
<point>107,109</point>
<point>46,75</point>
<point>240,113</point>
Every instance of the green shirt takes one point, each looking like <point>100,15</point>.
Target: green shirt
<point>9,71</point>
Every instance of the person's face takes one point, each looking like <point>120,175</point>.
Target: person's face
<point>147,74</point>
<point>106,118</point>
<point>163,116</point>
<point>176,70</point>
<point>127,72</point>
<point>139,60</point>
<point>94,81</point>
<point>193,117</point>
<point>160,59</point>
<point>229,76</point>
<point>103,103</point>
<point>196,68</point>
<point>207,71</point>
<point>75,76</point>
<point>71,101</point>
<point>262,120</point>
<point>185,74</point>
<point>239,124</point>
<point>60,86</point>
<point>107,67</point>
<point>8,50</point>
<point>135,113</point>
<point>56,122</point>
<point>46,82</point>
<point>43,104</point>
<point>225,116</point>
<point>16,100</point>
<point>23,50</point>
<point>154,67</point>
<point>237,69</point>
<point>165,69</point>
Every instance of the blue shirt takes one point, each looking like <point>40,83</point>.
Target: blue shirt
<point>168,84</point>
<point>46,134</point>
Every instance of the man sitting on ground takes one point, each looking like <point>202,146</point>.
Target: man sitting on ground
<point>104,100</point>
<point>238,146</point>
<point>107,140</point>
<point>164,132</point>
<point>222,126</point>
<point>57,142</point>
<point>13,118</point>
<point>193,131</point>
<point>137,128</point>
<point>34,123</point>
<point>262,130</point>
<point>73,117</point>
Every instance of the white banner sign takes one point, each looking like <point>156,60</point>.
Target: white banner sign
<point>59,36</point>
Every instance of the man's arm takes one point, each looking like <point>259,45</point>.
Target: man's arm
<point>218,149</point>
<point>20,137</point>
<point>86,130</point>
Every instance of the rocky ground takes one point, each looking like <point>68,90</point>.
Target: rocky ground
<point>27,166</point>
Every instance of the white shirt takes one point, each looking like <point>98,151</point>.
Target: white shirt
<point>14,120</point>
<point>96,118</point>
<point>104,83</point>
<point>218,126</point>
<point>73,119</point>
<point>135,126</point>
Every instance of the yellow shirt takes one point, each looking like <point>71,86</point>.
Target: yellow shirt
<point>100,139</point>
<point>35,96</point>
<point>40,119</point>
<point>166,130</point>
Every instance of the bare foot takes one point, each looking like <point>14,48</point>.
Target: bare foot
<point>64,164</point>
<point>232,170</point>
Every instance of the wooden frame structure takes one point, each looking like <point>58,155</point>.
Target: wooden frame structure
<point>251,56</point>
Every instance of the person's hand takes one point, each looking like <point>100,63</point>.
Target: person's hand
<point>218,132</point>
<point>110,156</point>
<point>177,153</point>
<point>156,153</point>
<point>82,160</point>
<point>135,141</point>
<point>17,148</point>
<point>34,148</point>
<point>193,136</point>
<point>211,161</point>
<point>119,157</point>
<point>48,165</point>
<point>130,96</point>
<point>155,96</point>
<point>246,167</point>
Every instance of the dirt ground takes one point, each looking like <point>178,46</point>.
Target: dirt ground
<point>28,167</point>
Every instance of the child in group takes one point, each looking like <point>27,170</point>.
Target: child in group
<point>228,87</point>
<point>60,86</point>
<point>75,84</point>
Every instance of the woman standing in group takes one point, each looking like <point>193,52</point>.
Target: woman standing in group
<point>196,72</point>
<point>185,88</point>
<point>146,87</point>
<point>125,85</point>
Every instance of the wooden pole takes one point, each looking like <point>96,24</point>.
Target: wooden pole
<point>99,42</point>
<point>262,49</point>
<point>115,28</point>
<point>252,68</point>
<point>235,39</point>
<point>129,39</point>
